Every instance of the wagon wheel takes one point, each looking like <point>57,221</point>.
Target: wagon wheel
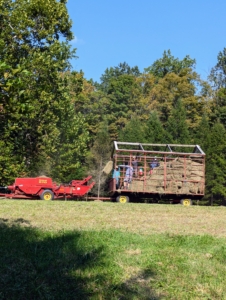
<point>122,199</point>
<point>186,202</point>
<point>47,195</point>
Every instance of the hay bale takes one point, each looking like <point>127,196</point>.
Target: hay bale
<point>179,184</point>
<point>137,185</point>
<point>108,167</point>
<point>196,178</point>
<point>184,190</point>
<point>178,176</point>
<point>200,188</point>
<point>197,173</point>
<point>156,177</point>
<point>160,190</point>
<point>178,163</point>
<point>160,171</point>
<point>170,177</point>
<point>193,188</point>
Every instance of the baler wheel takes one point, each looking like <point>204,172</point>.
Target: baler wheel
<point>47,195</point>
<point>122,199</point>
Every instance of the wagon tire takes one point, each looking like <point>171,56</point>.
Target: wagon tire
<point>122,199</point>
<point>186,202</point>
<point>47,195</point>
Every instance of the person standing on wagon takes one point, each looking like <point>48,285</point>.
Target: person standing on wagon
<point>128,175</point>
<point>135,165</point>
<point>116,176</point>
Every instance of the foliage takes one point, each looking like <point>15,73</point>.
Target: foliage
<point>216,163</point>
<point>132,132</point>
<point>99,156</point>
<point>177,126</point>
<point>55,122</point>
<point>116,72</point>
<point>34,53</point>
<point>218,72</point>
<point>169,64</point>
<point>154,131</point>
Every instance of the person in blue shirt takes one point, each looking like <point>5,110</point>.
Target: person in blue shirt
<point>128,175</point>
<point>116,176</point>
<point>154,164</point>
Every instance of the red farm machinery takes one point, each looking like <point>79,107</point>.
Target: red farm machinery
<point>160,172</point>
<point>45,189</point>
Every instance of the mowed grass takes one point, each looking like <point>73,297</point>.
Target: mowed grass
<point>96,250</point>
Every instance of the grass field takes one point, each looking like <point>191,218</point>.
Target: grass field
<point>96,250</point>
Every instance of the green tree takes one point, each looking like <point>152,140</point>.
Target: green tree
<point>122,91</point>
<point>176,79</point>
<point>177,126</point>
<point>218,72</point>
<point>169,64</point>
<point>99,156</point>
<point>68,161</point>
<point>34,40</point>
<point>154,131</point>
<point>113,73</point>
<point>132,132</point>
<point>202,134</point>
<point>218,80</point>
<point>216,164</point>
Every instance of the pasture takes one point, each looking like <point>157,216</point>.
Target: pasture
<point>98,250</point>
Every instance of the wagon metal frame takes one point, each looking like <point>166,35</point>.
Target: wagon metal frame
<point>180,175</point>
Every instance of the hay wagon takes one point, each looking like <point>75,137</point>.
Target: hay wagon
<point>160,172</point>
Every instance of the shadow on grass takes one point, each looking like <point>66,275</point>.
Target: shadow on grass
<point>37,265</point>
<point>138,287</point>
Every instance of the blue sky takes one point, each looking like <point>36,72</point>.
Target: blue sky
<point>137,32</point>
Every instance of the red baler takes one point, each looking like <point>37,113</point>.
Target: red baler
<point>45,189</point>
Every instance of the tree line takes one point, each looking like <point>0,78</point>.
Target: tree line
<point>53,119</point>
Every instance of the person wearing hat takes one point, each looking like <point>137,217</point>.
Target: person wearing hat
<point>154,164</point>
<point>116,176</point>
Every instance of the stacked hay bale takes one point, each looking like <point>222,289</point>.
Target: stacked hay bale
<point>182,176</point>
<point>187,176</point>
<point>154,182</point>
<point>137,185</point>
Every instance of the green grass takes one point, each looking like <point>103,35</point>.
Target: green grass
<point>101,258</point>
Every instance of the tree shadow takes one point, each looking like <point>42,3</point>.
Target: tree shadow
<point>37,265</point>
<point>138,287</point>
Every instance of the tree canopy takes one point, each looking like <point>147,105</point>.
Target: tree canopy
<point>53,119</point>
